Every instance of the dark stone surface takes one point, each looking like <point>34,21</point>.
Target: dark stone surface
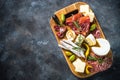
<point>28,49</point>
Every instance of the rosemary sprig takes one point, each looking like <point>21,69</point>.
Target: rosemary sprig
<point>100,60</point>
<point>76,24</point>
<point>78,48</point>
<point>92,58</point>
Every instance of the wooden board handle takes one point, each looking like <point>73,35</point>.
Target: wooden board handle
<point>70,8</point>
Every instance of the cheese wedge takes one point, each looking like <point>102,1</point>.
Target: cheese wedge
<point>90,39</point>
<point>103,49</point>
<point>79,65</point>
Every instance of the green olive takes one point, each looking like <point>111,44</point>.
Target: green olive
<point>92,27</point>
<point>62,18</point>
<point>72,58</point>
<point>68,53</point>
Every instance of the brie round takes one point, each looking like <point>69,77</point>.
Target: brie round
<point>103,49</point>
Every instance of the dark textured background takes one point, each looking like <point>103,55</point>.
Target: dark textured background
<point>28,48</point>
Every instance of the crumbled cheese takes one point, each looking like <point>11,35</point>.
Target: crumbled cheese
<point>79,65</point>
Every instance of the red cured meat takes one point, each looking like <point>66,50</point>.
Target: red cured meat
<point>85,25</point>
<point>98,67</point>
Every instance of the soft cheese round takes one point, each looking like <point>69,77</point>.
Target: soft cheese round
<point>103,49</point>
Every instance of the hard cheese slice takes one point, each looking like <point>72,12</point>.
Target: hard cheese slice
<point>79,65</point>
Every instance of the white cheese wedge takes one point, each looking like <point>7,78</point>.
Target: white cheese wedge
<point>90,39</point>
<point>103,49</point>
<point>79,65</point>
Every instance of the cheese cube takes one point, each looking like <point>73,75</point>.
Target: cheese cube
<point>87,12</point>
<point>84,8</point>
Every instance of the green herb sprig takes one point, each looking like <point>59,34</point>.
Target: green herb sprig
<point>100,60</point>
<point>78,48</point>
<point>76,24</point>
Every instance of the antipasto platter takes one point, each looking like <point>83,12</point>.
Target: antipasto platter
<point>81,39</point>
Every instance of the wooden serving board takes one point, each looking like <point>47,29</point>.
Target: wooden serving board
<point>66,10</point>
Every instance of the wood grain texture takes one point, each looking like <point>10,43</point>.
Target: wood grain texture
<point>66,10</point>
